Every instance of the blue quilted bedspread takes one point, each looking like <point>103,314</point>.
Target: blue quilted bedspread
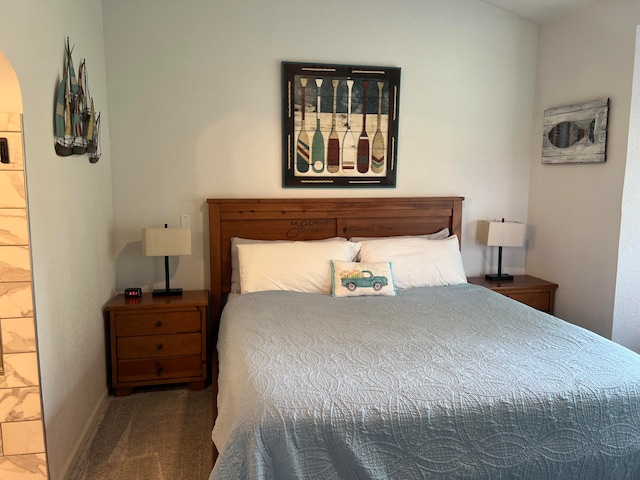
<point>443,383</point>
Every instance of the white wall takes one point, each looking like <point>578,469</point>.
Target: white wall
<point>574,210</point>
<point>70,209</point>
<point>627,307</point>
<point>195,109</point>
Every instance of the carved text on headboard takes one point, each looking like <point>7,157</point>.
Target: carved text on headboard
<point>307,226</point>
<point>370,228</point>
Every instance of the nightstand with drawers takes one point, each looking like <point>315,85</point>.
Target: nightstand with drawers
<point>531,291</point>
<point>157,340</point>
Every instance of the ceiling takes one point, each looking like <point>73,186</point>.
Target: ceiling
<point>539,11</point>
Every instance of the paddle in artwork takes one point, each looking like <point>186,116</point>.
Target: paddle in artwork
<point>340,125</point>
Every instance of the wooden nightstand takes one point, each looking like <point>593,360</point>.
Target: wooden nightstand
<point>531,291</point>
<point>157,340</point>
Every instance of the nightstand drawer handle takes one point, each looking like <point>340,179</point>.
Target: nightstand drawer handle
<point>159,369</point>
<point>159,346</point>
<point>158,323</point>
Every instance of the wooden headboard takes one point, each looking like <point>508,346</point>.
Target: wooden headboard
<point>318,218</point>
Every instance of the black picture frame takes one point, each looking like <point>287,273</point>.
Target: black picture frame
<point>347,133</point>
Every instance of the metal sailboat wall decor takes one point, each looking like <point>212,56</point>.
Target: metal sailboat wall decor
<point>77,125</point>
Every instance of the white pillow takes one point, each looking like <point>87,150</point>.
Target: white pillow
<point>293,266</point>
<point>235,262</point>
<point>442,234</point>
<point>418,262</point>
<point>357,279</point>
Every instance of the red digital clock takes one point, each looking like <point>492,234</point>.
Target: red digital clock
<point>132,292</point>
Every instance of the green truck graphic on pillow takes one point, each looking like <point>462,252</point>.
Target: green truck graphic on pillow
<point>362,279</point>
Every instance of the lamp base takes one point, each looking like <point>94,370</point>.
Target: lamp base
<point>503,277</point>
<point>166,292</point>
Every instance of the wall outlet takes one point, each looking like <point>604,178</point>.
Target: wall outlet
<point>185,221</point>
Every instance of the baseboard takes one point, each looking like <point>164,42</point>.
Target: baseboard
<point>89,428</point>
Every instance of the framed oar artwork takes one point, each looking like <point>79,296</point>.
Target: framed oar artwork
<point>340,125</point>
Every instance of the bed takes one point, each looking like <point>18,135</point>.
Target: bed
<point>447,381</point>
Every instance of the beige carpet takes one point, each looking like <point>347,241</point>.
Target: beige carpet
<point>158,434</point>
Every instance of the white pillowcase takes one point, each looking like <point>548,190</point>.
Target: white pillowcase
<point>418,262</point>
<point>292,266</point>
<point>235,262</point>
<point>442,234</point>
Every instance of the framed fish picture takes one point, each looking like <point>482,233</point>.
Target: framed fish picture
<point>340,125</point>
<point>576,133</point>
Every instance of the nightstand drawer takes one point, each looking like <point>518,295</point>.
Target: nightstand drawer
<point>159,345</point>
<point>157,323</point>
<point>531,291</point>
<point>159,368</point>
<point>538,300</point>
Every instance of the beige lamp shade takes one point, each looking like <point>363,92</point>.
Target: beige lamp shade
<point>501,234</point>
<point>166,242</point>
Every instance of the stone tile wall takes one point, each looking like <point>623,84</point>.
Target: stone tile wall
<point>22,444</point>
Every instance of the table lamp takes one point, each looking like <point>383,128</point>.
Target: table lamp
<point>166,242</point>
<point>500,234</point>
